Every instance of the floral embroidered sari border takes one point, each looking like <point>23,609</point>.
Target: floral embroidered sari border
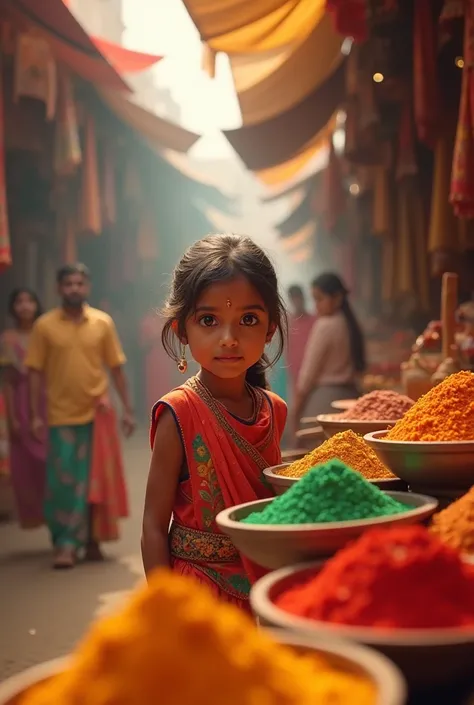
<point>201,546</point>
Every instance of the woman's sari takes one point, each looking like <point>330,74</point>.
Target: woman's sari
<point>225,459</point>
<point>27,454</point>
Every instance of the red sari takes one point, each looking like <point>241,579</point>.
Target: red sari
<point>225,458</point>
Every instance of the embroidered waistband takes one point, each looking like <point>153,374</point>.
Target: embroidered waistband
<point>201,546</point>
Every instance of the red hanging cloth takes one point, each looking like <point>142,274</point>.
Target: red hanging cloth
<point>425,79</point>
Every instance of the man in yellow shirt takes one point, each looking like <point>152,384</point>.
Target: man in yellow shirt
<point>71,349</point>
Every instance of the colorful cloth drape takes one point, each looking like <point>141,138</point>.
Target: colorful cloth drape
<point>225,458</point>
<point>425,78</point>
<point>5,250</point>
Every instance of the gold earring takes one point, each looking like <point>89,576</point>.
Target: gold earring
<point>183,363</point>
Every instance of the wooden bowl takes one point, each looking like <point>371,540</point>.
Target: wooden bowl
<point>276,546</point>
<point>345,656</point>
<point>427,657</point>
<point>332,424</point>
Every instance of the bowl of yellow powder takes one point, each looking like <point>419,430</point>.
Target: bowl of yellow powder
<point>432,446</point>
<point>346,446</point>
<point>174,642</point>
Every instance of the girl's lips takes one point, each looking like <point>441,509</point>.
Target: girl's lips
<point>228,358</point>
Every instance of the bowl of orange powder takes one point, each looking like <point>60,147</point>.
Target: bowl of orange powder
<point>174,642</point>
<point>432,446</point>
<point>399,590</point>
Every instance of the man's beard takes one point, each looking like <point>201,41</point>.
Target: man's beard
<point>73,301</point>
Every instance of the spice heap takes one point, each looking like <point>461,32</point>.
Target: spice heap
<point>175,643</point>
<point>445,413</point>
<point>348,447</point>
<point>331,492</point>
<point>455,524</point>
<point>395,578</point>
<point>380,405</point>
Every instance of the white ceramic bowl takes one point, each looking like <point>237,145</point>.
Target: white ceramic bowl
<point>278,546</point>
<point>427,657</point>
<point>280,483</point>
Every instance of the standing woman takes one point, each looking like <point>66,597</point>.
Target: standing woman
<point>27,454</point>
<point>334,357</point>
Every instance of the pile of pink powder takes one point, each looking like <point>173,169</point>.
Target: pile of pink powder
<point>381,405</point>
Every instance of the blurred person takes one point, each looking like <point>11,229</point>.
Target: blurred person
<point>334,356</point>
<point>73,346</point>
<point>27,453</point>
<point>300,324</point>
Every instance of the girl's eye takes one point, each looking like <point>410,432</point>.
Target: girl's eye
<point>207,321</point>
<point>250,319</point>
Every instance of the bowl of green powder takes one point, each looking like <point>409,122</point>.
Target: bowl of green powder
<point>329,506</point>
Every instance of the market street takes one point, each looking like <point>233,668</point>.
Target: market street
<point>44,612</point>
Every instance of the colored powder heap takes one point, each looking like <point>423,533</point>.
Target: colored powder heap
<point>455,524</point>
<point>331,492</point>
<point>347,447</point>
<point>445,413</point>
<point>380,405</point>
<point>394,578</point>
<point>175,643</point>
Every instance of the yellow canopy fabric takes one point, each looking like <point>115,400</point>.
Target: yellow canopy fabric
<point>254,26</point>
<point>286,79</point>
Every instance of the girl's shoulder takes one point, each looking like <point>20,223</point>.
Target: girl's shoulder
<point>176,402</point>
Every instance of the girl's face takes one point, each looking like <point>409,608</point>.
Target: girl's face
<point>229,329</point>
<point>25,307</point>
<point>326,305</point>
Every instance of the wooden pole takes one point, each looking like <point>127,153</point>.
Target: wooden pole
<point>449,304</point>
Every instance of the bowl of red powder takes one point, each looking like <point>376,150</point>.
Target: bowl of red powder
<point>399,590</point>
<point>376,411</point>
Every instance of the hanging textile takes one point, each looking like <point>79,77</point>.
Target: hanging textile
<point>243,27</point>
<point>290,81</point>
<point>35,71</point>
<point>334,197</point>
<point>67,146</point>
<point>462,179</point>
<point>90,202</point>
<point>350,18</point>
<point>425,77</point>
<point>109,185</point>
<point>69,243</point>
<point>5,250</point>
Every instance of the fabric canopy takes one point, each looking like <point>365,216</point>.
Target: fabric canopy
<point>69,41</point>
<point>281,138</point>
<point>298,187</point>
<point>290,81</point>
<point>124,60</point>
<point>159,132</point>
<point>243,27</point>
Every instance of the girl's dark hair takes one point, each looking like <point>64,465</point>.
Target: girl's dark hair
<point>16,293</point>
<point>332,285</point>
<point>218,258</point>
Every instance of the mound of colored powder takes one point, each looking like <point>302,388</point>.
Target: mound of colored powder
<point>445,413</point>
<point>379,405</point>
<point>394,578</point>
<point>455,524</point>
<point>330,492</point>
<point>347,447</point>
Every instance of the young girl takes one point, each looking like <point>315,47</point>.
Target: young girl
<point>213,436</point>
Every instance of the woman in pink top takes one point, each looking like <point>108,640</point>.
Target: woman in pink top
<point>300,324</point>
<point>334,356</point>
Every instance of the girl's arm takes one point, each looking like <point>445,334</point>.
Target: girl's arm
<point>163,478</point>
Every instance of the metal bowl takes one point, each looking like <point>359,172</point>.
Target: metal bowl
<point>332,424</point>
<point>387,678</point>
<point>443,465</point>
<point>310,438</point>
<point>278,546</point>
<point>343,404</point>
<point>280,483</point>
<point>427,657</point>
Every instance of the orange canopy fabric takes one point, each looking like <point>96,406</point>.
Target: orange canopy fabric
<point>69,41</point>
<point>251,27</point>
<point>290,81</point>
<point>125,60</point>
<point>276,141</point>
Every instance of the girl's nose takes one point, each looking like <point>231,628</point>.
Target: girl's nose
<point>228,338</point>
